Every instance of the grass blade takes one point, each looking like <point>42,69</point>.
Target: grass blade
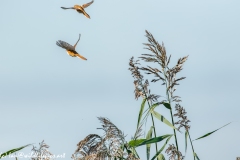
<point>158,153</point>
<point>195,155</point>
<point>135,152</point>
<point>150,109</point>
<point>161,157</point>
<point>134,143</point>
<point>154,106</point>
<point>148,146</point>
<point>211,132</point>
<point>167,105</point>
<point>141,111</point>
<point>163,119</point>
<point>13,150</point>
<point>154,140</point>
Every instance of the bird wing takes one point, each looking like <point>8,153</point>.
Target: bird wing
<point>67,8</point>
<point>77,41</point>
<point>65,45</point>
<point>87,4</point>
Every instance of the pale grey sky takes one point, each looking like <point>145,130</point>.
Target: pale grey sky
<point>46,94</point>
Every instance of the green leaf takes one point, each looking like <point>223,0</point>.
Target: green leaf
<point>195,155</point>
<point>167,105</point>
<point>141,111</point>
<point>13,150</point>
<point>160,157</point>
<point>163,119</point>
<point>134,143</point>
<point>158,153</point>
<point>211,132</point>
<point>154,140</point>
<point>148,146</point>
<point>186,135</point>
<point>154,106</point>
<point>150,109</point>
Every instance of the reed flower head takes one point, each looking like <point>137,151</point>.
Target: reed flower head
<point>108,146</point>
<point>42,152</point>
<point>165,74</point>
<point>181,114</point>
<point>172,152</point>
<point>141,86</point>
<point>135,69</point>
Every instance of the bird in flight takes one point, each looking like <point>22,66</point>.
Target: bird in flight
<point>70,49</point>
<point>80,9</point>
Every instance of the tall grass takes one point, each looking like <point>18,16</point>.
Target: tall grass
<point>166,77</point>
<point>113,145</point>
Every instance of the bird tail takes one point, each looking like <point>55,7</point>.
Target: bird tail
<point>79,56</point>
<point>86,15</point>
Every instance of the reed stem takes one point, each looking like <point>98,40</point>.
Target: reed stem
<point>191,145</point>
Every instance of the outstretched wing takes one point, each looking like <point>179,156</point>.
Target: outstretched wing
<point>87,4</point>
<point>77,41</point>
<point>65,45</point>
<point>67,8</point>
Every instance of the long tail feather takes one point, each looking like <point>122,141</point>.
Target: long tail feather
<point>86,15</point>
<point>79,56</point>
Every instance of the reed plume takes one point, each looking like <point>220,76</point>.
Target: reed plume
<point>41,153</point>
<point>112,145</point>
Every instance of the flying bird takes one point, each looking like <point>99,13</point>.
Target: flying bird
<point>80,9</point>
<point>70,49</point>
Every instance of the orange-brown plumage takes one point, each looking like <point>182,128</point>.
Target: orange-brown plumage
<point>70,49</point>
<point>80,9</point>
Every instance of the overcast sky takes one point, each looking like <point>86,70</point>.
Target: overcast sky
<point>47,95</point>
